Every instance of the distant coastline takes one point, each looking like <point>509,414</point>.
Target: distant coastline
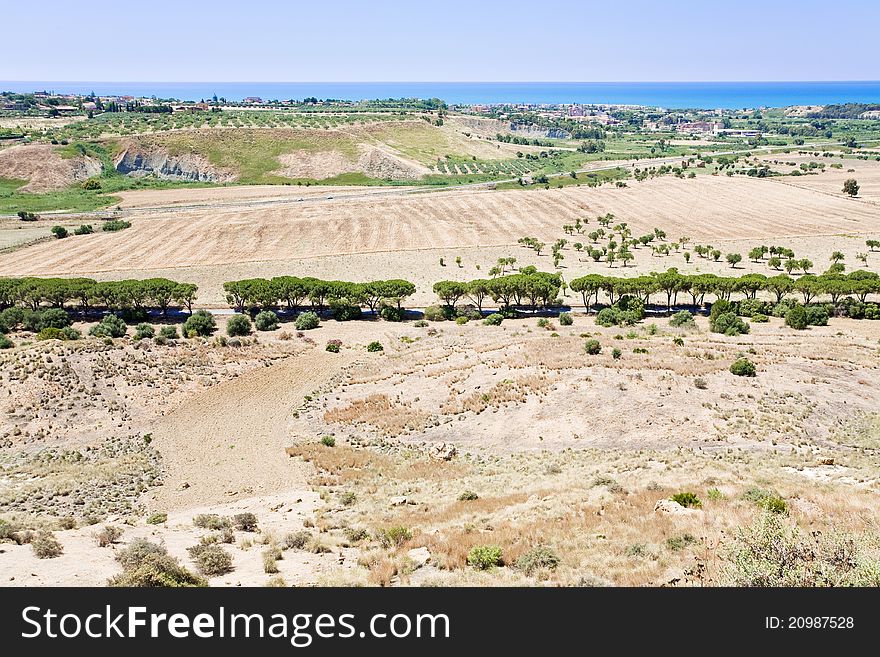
<point>706,95</point>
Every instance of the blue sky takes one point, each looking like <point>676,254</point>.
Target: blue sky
<point>449,40</point>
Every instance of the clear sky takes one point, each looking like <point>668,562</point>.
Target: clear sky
<point>440,40</point>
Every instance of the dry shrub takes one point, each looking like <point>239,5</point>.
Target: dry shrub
<point>297,540</point>
<point>382,571</point>
<point>342,464</point>
<point>504,392</point>
<point>245,522</point>
<point>211,521</point>
<point>211,560</point>
<point>108,535</point>
<point>147,564</point>
<point>46,546</point>
<point>380,412</point>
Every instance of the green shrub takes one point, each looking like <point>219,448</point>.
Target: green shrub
<point>796,318</point>
<point>714,494</point>
<point>348,498</point>
<point>751,307</point>
<point>766,499</point>
<point>592,347</point>
<point>344,311</point>
<point>438,313</point>
<point>307,321</point>
<point>687,499</point>
<point>51,334</point>
<point>420,323</point>
<point>392,314</point>
<point>774,552</point>
<point>760,318</point>
<point>333,346</point>
<point>6,343</point>
<point>157,518</point>
<point>743,367</point>
<point>297,540</point>
<point>200,324</point>
<point>238,325</point>
<point>375,346</point>
<point>537,558</point>
<point>266,321</point>
<point>461,320</point>
<point>720,307</point>
<point>211,560</point>
<point>146,564</point>
<point>393,537</point>
<point>46,546</point>
<point>817,316</point>
<point>168,332</point>
<point>143,331</point>
<point>626,311</point>
<point>484,557</point>
<point>85,229</point>
<point>682,319</point>
<point>52,318</point>
<point>468,496</point>
<point>110,326</point>
<point>729,324</point>
<point>211,521</point>
<point>494,319</point>
<point>565,319</point>
<point>115,225</point>
<point>91,184</point>
<point>60,232</point>
<point>678,543</point>
<point>616,353</point>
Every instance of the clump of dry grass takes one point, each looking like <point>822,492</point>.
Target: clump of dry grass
<point>508,391</point>
<point>382,413</point>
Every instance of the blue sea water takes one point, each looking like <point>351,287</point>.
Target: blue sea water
<point>705,95</point>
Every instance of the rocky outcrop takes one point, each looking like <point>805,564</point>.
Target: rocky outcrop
<point>141,161</point>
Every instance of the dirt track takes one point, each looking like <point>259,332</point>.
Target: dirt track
<point>220,445</point>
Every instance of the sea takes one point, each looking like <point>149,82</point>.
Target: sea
<point>703,95</point>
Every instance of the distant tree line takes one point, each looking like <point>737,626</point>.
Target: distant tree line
<point>670,284</point>
<point>344,298</point>
<point>528,288</point>
<point>89,295</point>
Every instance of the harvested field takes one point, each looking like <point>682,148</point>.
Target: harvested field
<point>352,237</point>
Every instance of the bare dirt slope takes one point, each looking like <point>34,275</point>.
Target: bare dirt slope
<point>229,439</point>
<point>44,168</point>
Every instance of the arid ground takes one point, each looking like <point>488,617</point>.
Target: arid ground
<point>388,468</point>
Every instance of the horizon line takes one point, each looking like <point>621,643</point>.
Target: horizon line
<point>452,81</point>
